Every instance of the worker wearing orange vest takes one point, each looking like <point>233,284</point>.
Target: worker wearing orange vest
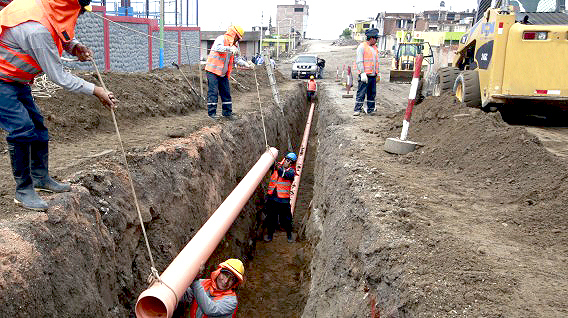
<point>312,88</point>
<point>278,201</point>
<point>33,35</point>
<point>218,68</point>
<point>215,296</point>
<point>368,67</point>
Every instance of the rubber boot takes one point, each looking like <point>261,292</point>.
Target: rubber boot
<point>39,169</point>
<point>25,194</point>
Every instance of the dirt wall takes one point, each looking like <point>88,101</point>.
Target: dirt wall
<point>86,257</point>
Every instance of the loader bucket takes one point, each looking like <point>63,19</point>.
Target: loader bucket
<point>397,76</point>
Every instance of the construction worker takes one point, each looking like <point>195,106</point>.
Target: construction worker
<point>312,87</point>
<point>368,67</point>
<point>215,296</point>
<point>219,66</point>
<point>278,201</point>
<point>33,35</point>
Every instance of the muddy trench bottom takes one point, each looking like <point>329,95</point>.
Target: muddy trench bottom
<point>278,273</point>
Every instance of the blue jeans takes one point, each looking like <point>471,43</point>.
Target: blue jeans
<point>369,89</point>
<point>218,85</point>
<point>19,115</point>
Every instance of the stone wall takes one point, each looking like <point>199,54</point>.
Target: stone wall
<point>122,43</point>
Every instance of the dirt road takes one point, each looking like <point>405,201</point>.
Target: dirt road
<point>472,224</point>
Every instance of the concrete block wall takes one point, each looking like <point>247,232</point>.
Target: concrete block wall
<point>124,44</point>
<point>128,50</point>
<point>90,32</point>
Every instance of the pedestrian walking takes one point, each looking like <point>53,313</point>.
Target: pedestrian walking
<point>218,69</point>
<point>278,201</point>
<point>33,36</point>
<point>368,68</point>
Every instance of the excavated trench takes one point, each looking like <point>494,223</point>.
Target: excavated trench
<point>91,260</point>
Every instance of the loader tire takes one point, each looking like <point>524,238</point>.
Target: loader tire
<point>445,79</point>
<point>467,89</point>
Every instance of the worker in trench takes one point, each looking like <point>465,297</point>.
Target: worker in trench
<point>368,67</point>
<point>215,296</point>
<point>311,88</point>
<point>277,207</point>
<point>218,69</point>
<point>33,36</point>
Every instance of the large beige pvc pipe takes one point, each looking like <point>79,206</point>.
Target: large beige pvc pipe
<point>300,161</point>
<point>159,300</point>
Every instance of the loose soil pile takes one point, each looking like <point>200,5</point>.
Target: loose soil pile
<point>473,223</point>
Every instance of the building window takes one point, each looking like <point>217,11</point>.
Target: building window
<point>298,9</point>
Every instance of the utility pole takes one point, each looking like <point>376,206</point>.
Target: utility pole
<point>161,33</point>
<point>277,41</point>
<point>261,31</point>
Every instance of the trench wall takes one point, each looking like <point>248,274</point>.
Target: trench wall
<point>351,254</point>
<point>87,257</point>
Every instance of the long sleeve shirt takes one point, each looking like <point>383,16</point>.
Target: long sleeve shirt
<point>223,307</point>
<point>34,39</point>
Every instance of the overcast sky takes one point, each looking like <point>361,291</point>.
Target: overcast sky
<point>326,20</point>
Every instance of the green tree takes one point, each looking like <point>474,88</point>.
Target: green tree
<point>346,33</point>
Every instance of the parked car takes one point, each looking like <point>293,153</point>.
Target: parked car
<point>307,64</point>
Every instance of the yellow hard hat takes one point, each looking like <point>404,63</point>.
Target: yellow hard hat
<point>311,77</point>
<point>235,266</point>
<point>238,29</point>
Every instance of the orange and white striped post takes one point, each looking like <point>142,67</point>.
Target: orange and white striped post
<point>401,146</point>
<point>411,96</point>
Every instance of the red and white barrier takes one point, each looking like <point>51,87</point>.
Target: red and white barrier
<point>411,96</point>
<point>349,80</point>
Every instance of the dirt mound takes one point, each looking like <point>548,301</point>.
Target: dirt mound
<point>483,149</point>
<point>344,42</point>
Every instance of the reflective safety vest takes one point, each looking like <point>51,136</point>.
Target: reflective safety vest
<point>58,16</point>
<point>216,60</point>
<point>281,185</point>
<point>215,295</point>
<point>312,86</point>
<point>370,59</point>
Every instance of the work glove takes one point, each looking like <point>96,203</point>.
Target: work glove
<point>234,50</point>
<point>364,78</point>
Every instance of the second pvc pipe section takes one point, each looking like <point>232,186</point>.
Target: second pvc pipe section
<point>300,161</point>
<point>160,299</point>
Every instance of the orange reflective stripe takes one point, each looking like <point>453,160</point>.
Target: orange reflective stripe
<point>52,14</point>
<point>281,185</point>
<point>22,61</point>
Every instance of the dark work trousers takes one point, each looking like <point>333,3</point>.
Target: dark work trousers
<point>369,89</point>
<point>274,212</point>
<point>311,95</point>
<point>218,85</point>
<point>19,115</point>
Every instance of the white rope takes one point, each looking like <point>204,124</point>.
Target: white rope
<point>260,106</point>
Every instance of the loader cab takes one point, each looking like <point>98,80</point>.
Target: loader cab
<point>405,57</point>
<point>406,54</point>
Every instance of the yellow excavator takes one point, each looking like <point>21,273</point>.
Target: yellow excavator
<point>514,55</point>
<point>404,59</point>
